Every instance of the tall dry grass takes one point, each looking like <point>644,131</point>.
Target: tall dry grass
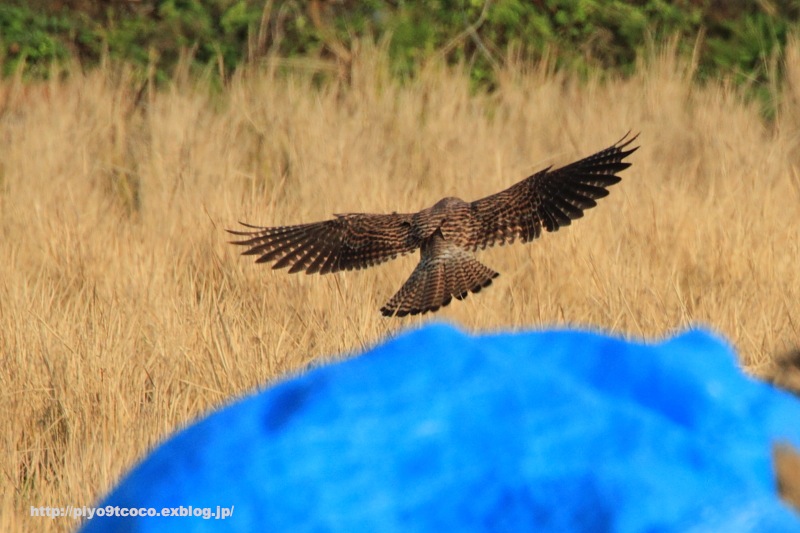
<point>124,314</point>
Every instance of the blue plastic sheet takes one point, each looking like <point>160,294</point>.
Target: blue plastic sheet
<point>438,430</point>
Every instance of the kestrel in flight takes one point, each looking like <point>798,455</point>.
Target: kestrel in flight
<point>447,234</point>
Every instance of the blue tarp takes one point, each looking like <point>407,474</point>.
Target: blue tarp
<point>438,430</point>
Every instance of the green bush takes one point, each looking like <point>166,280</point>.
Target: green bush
<point>741,39</point>
<point>31,40</point>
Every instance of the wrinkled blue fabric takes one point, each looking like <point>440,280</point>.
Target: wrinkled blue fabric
<point>438,430</point>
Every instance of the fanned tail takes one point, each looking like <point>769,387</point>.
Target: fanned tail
<point>434,283</point>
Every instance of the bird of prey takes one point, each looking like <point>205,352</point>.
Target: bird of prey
<point>447,234</point>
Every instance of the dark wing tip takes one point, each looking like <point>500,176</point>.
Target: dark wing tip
<point>240,233</point>
<point>624,142</point>
<point>246,225</point>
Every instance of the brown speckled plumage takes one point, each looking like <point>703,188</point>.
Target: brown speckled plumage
<point>446,233</point>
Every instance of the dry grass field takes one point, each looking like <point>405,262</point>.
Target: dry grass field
<point>124,313</point>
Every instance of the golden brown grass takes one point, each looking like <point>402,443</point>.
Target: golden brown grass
<point>124,314</point>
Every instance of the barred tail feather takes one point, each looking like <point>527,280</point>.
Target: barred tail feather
<point>434,284</point>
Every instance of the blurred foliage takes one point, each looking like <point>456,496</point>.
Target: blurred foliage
<point>736,37</point>
<point>31,38</point>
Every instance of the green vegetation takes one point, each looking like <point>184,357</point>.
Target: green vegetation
<point>32,39</point>
<point>738,39</point>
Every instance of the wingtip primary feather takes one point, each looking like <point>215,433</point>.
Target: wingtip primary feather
<point>624,142</point>
<point>241,233</point>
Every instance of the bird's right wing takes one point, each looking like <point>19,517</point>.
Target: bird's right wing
<point>347,242</point>
<point>548,199</point>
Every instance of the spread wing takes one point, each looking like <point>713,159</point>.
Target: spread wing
<point>548,199</point>
<point>347,242</point>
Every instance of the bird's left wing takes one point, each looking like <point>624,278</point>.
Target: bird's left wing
<point>548,199</point>
<point>347,242</point>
